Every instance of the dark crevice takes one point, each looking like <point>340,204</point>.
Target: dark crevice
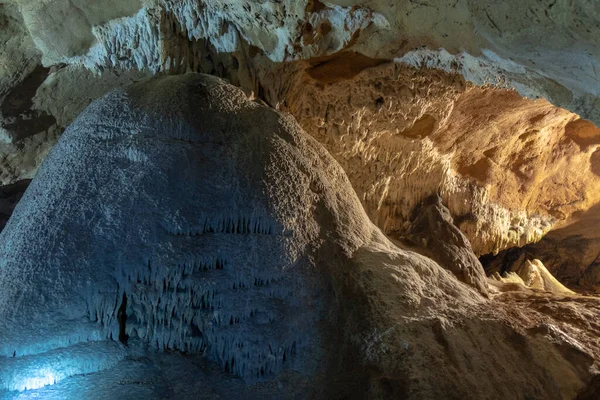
<point>341,66</point>
<point>9,197</point>
<point>232,225</point>
<point>501,262</point>
<point>572,260</point>
<point>122,318</point>
<point>18,117</point>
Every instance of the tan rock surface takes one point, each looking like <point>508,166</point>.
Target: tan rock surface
<point>449,345</point>
<point>433,232</point>
<point>532,274</point>
<point>508,168</point>
<point>570,253</point>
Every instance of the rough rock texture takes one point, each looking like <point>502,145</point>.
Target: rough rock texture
<point>65,28</point>
<point>37,102</point>
<point>552,58</point>
<point>411,98</point>
<point>164,247</point>
<point>533,274</point>
<point>20,75</point>
<point>571,253</point>
<point>509,169</point>
<point>68,91</point>
<point>573,258</point>
<point>434,232</point>
<point>63,95</point>
<point>26,134</point>
<point>178,215</point>
<point>482,41</point>
<point>20,160</point>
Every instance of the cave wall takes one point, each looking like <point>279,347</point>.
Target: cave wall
<point>488,108</point>
<point>224,231</point>
<point>571,253</point>
<point>504,165</point>
<point>535,46</point>
<point>437,111</point>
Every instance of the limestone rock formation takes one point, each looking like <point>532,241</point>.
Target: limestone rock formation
<point>489,105</point>
<point>433,230</point>
<point>19,73</point>
<point>484,42</point>
<point>533,274</point>
<point>161,215</point>
<point>177,215</point>
<point>570,253</point>
<point>420,106</point>
<point>404,134</point>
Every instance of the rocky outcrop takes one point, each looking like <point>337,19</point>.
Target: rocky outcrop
<point>37,102</point>
<point>534,275</point>
<point>411,98</point>
<point>404,134</point>
<point>272,272</point>
<point>26,134</point>
<point>20,75</point>
<point>202,213</point>
<point>48,106</point>
<point>570,253</point>
<point>483,42</point>
<point>433,231</point>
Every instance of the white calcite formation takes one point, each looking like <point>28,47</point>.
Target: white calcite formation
<point>541,48</point>
<point>533,274</point>
<point>180,213</point>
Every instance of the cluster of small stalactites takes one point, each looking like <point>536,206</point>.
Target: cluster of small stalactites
<point>241,224</point>
<point>233,314</point>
